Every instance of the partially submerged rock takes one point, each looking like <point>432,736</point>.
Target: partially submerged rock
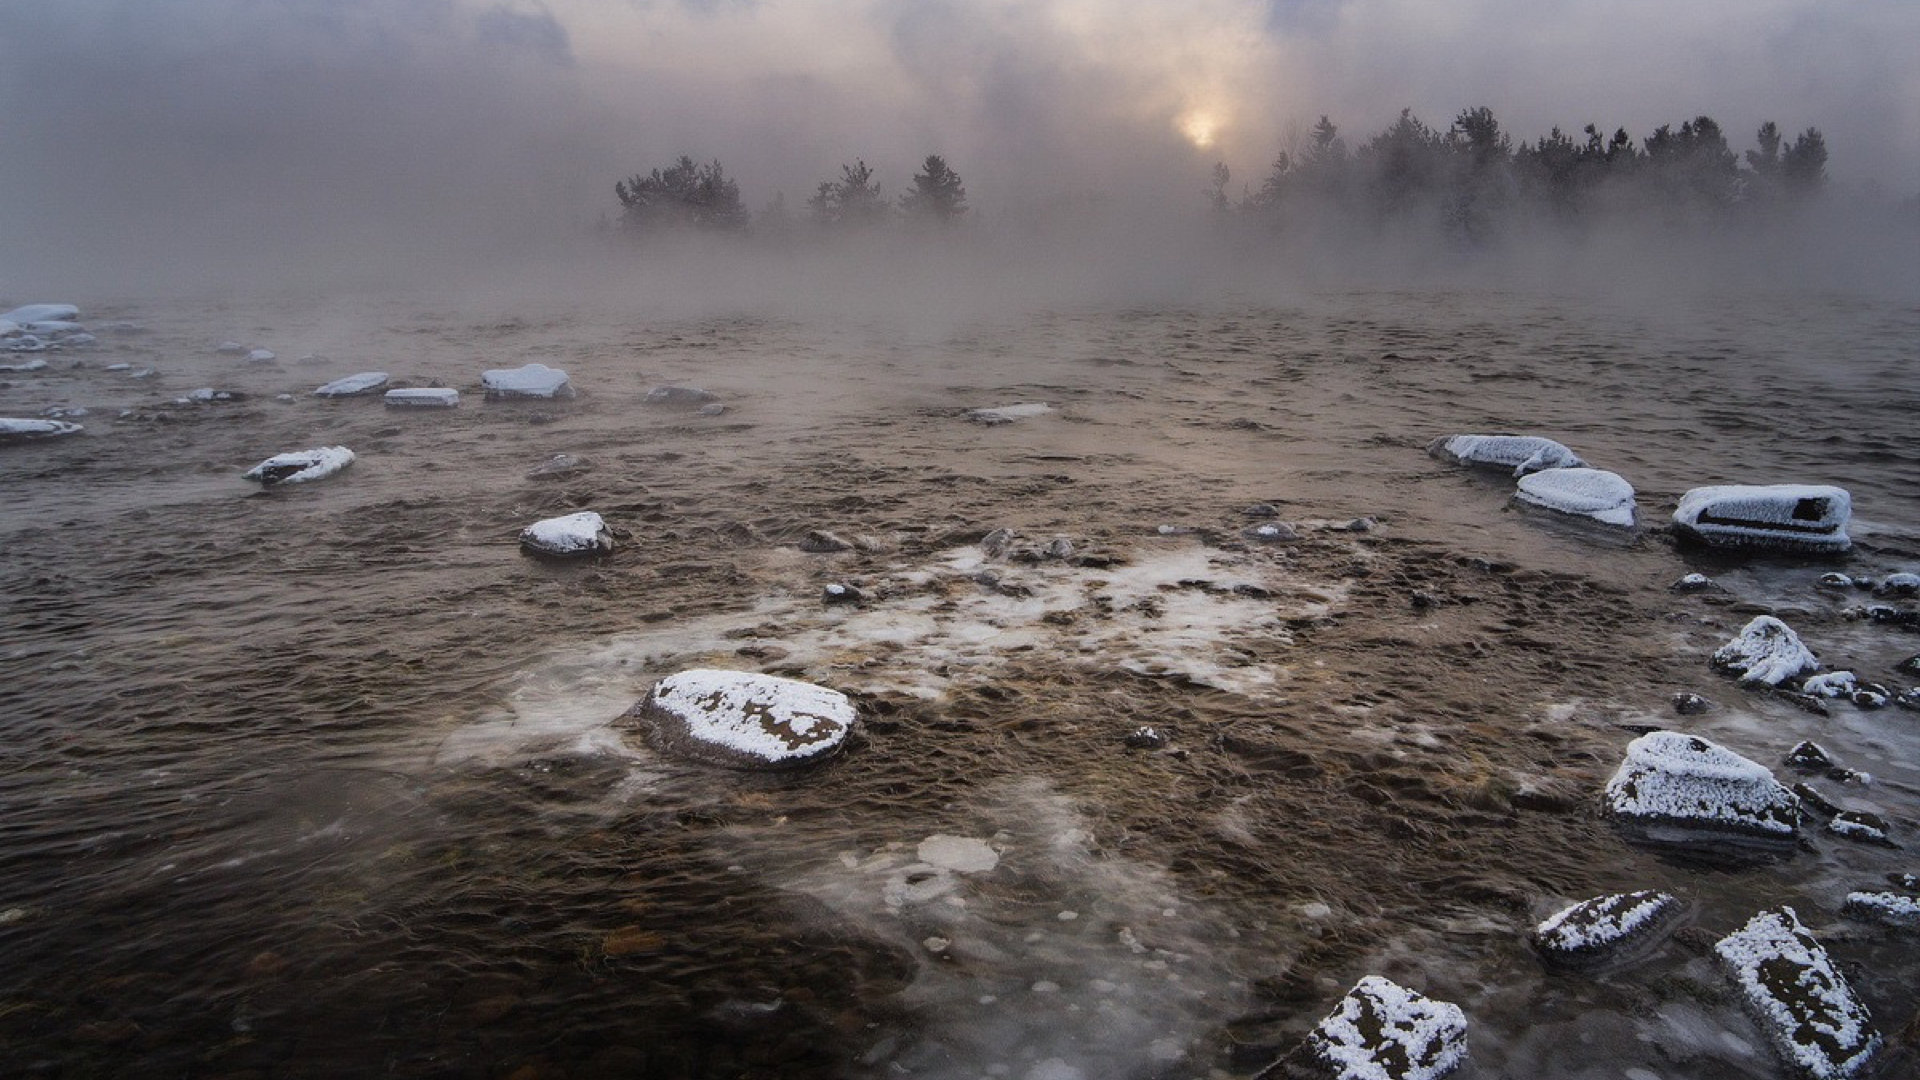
<point>1685,790</point>
<point>1007,414</point>
<point>27,429</point>
<point>1772,517</point>
<point>33,313</point>
<point>537,381</point>
<point>1596,931</point>
<point>678,397</point>
<point>261,356</point>
<point>300,466</point>
<point>1767,652</point>
<point>744,720</point>
<point>365,382</point>
<point>422,397</point>
<point>1380,1031</point>
<point>1272,532</point>
<point>1862,826</point>
<point>1522,454</point>
<point>1590,493</point>
<point>822,542</point>
<point>1802,1002</point>
<point>1889,908</point>
<point>1901,584</point>
<point>1692,583</point>
<point>571,536</point>
<point>559,465</point>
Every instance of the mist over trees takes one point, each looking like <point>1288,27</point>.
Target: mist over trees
<point>938,197</point>
<point>682,196</point>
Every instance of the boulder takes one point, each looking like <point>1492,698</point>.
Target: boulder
<point>300,466</point>
<point>1890,908</point>
<point>1861,826</point>
<point>1522,454</point>
<point>261,356</point>
<point>1589,493</point>
<point>33,313</point>
<point>353,385</point>
<point>571,536</point>
<point>1271,532</point>
<point>677,397</point>
<point>744,720</point>
<point>1683,789</point>
<point>422,397</point>
<point>537,381</point>
<point>1007,414</point>
<point>1767,652</point>
<point>1901,584</point>
<point>25,429</point>
<point>1774,517</point>
<point>1380,1031</point>
<point>1802,1002</point>
<point>1596,931</point>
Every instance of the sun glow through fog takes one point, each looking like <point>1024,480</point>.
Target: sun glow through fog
<point>1199,126</point>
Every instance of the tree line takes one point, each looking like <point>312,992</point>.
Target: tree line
<point>688,195</point>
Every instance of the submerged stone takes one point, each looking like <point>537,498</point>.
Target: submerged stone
<point>1862,826</point>
<point>26,429</point>
<point>1682,789</point>
<point>1692,583</point>
<point>1888,908</point>
<point>744,720</point>
<point>559,465</point>
<point>300,466</point>
<point>33,313</point>
<point>1379,1031</point>
<point>1802,1002</point>
<point>422,397</point>
<point>1902,584</point>
<point>1687,704</point>
<point>821,542</point>
<point>1767,651</point>
<point>1773,517</point>
<point>537,381</point>
<point>1522,454</point>
<point>1590,493</point>
<point>571,536</point>
<point>1007,414</point>
<point>365,382</point>
<point>1601,929</point>
<point>677,396</point>
<point>1810,756</point>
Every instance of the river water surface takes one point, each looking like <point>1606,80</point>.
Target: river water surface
<point>331,781</point>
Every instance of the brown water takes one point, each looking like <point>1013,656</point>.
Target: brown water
<point>330,781</point>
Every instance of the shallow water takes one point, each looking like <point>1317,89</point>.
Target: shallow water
<point>332,781</point>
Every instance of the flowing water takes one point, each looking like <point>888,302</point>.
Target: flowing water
<point>332,780</point>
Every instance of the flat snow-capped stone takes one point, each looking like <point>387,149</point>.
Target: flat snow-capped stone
<point>527,381</point>
<point>353,385</point>
<point>1766,651</point>
<point>1681,788</point>
<point>301,466</point>
<point>1596,930</point>
<point>1802,1002</point>
<point>1780,517</point>
<point>27,429</point>
<point>33,313</point>
<point>23,368</point>
<point>1890,908</point>
<point>745,720</point>
<point>423,397</point>
<point>1381,1031</point>
<point>678,396</point>
<point>569,536</point>
<point>1593,493</point>
<point>1007,414</point>
<point>1521,453</point>
<point>261,356</point>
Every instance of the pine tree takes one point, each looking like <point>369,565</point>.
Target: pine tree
<point>684,195</point>
<point>937,196</point>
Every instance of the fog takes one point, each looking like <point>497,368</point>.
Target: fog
<point>227,143</point>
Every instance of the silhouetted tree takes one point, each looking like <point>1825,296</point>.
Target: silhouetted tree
<point>684,195</point>
<point>1404,165</point>
<point>1481,186</point>
<point>853,201</point>
<point>937,194</point>
<point>1217,190</point>
<point>1803,166</point>
<point>1692,168</point>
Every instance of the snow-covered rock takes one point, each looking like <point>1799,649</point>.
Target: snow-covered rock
<point>23,368</point>
<point>1594,931</point>
<point>1833,684</point>
<point>1007,414</point>
<point>527,381</point>
<point>1862,826</point>
<point>1767,652</point>
<point>1800,999</point>
<point>33,313</point>
<point>1683,789</point>
<point>1593,493</point>
<point>261,356</point>
<point>1781,517</point>
<point>559,465</point>
<point>27,429</point>
<point>230,348</point>
<point>366,382</point>
<point>1900,584</point>
<point>423,397</point>
<point>1522,454</point>
<point>1381,1031</point>
<point>745,720</point>
<point>677,396</point>
<point>570,536</point>
<point>208,395</point>
<point>300,466</point>
<point>1890,908</point>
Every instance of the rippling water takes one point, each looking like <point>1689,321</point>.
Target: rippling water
<point>331,781</point>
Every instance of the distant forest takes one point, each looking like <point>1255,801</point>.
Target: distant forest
<point>1469,183</point>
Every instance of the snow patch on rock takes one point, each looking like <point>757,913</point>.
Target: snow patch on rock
<point>1793,517</point>
<point>1802,1001</point>
<point>1767,652</point>
<point>300,466</point>
<point>1521,453</point>
<point>1672,778</point>
<point>747,720</point>
<point>568,536</point>
<point>1594,493</point>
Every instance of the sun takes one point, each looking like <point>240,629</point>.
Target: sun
<point>1199,126</point>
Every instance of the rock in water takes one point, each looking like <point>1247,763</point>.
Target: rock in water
<point>528,381</point>
<point>353,385</point>
<point>22,429</point>
<point>1889,908</point>
<point>33,313</point>
<point>1595,931</point>
<point>1682,789</point>
<point>1007,414</point>
<point>261,356</point>
<point>1380,1031</point>
<point>572,536</point>
<point>1862,826</point>
<point>423,397</point>
<point>1767,652</point>
<point>559,465</point>
<point>1802,1002</point>
<point>1521,453</point>
<point>1592,493</point>
<point>1777,517</point>
<point>743,720</point>
<point>677,396</point>
<point>300,466</point>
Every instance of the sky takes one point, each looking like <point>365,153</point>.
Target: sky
<point>205,128</point>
